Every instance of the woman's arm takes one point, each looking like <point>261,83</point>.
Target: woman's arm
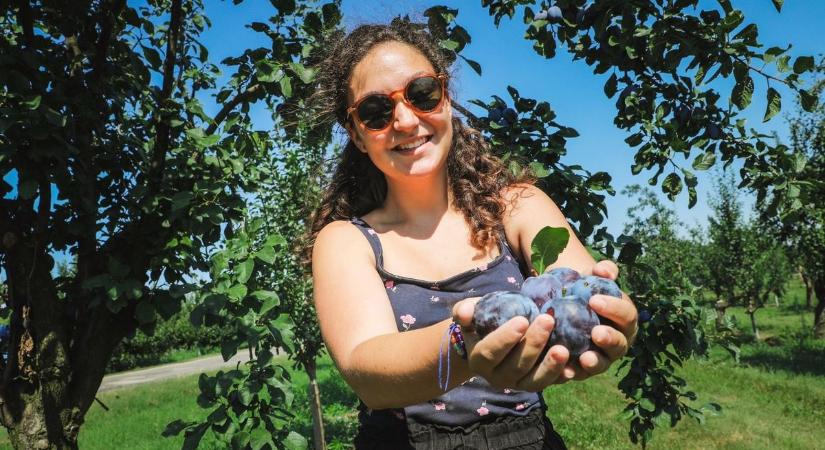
<point>386,368</point>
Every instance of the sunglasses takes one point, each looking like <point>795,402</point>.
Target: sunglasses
<point>423,94</point>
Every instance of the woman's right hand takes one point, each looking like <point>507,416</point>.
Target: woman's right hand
<point>510,356</point>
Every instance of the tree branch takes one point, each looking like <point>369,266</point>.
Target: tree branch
<point>230,105</point>
<point>24,16</point>
<point>161,122</point>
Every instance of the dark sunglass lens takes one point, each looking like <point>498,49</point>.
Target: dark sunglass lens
<point>375,111</point>
<point>424,93</point>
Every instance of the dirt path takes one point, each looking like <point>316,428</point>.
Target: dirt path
<point>173,370</point>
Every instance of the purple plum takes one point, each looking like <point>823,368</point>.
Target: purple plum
<point>566,275</point>
<point>574,324</point>
<point>496,308</point>
<point>592,285</point>
<point>542,288</point>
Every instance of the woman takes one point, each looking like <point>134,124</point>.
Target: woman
<point>418,222</point>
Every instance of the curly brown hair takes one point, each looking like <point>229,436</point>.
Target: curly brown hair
<point>475,176</point>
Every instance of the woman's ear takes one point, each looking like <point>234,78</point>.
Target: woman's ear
<point>355,137</point>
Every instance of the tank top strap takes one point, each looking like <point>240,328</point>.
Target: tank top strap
<point>372,238</point>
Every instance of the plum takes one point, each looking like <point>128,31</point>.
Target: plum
<point>541,15</point>
<point>496,308</point>
<point>542,288</point>
<point>574,324</point>
<point>510,115</point>
<point>495,114</point>
<point>566,275</point>
<point>644,316</point>
<point>554,14</point>
<point>592,285</point>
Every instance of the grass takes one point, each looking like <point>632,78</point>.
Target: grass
<point>774,398</point>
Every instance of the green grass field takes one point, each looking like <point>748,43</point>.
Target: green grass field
<point>775,398</point>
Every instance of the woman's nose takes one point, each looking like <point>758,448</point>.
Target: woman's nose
<point>405,117</point>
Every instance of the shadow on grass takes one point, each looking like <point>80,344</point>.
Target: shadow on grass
<point>804,358</point>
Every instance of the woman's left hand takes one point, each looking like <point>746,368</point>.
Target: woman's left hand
<point>613,340</point>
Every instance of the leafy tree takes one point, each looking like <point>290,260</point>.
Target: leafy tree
<point>108,156</point>
<point>656,227</point>
<point>794,189</point>
<point>661,57</point>
<point>298,170</point>
<point>725,250</point>
<point>768,268</point>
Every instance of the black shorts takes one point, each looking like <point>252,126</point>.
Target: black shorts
<point>532,431</point>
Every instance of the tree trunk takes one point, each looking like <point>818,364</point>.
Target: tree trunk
<point>809,290</point>
<point>315,405</point>
<point>819,313</point>
<point>721,307</point>
<point>53,370</point>
<point>752,313</point>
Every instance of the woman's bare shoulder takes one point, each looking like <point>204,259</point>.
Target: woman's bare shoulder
<point>341,238</point>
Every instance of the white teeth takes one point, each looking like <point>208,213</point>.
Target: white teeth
<point>413,144</point>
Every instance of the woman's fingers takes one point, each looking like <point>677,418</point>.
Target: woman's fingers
<point>620,311</point>
<point>490,351</point>
<point>610,341</point>
<point>526,353</point>
<point>606,269</point>
<point>550,370</point>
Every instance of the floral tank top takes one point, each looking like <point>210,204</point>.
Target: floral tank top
<point>420,303</point>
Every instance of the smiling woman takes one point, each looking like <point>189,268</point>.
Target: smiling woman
<point>419,220</point>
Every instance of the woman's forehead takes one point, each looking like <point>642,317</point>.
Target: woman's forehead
<point>387,67</point>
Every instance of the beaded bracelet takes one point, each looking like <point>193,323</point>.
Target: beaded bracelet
<point>456,340</point>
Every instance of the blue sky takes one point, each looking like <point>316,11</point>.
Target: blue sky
<point>572,89</point>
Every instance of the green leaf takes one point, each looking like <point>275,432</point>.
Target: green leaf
<point>774,104</point>
<point>800,161</point>
<point>32,103</point>
<point>743,92</point>
<point>778,5</point>
<point>194,436</point>
<point>228,349</point>
<point>704,161</point>
<point>269,300</point>
<point>237,292</point>
<point>244,270</point>
<point>539,169</point>
<point>152,57</point>
<point>807,100</point>
<point>267,255</point>
<point>295,441</point>
<point>181,200</point>
<point>546,247</point>
<point>610,86</point>
<point>474,65</point>
<point>304,73</point>
<point>803,64</point>
<point>672,185</point>
<point>240,440</point>
<point>174,428</point>
<point>286,87</point>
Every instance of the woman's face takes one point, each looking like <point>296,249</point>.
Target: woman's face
<point>414,144</point>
